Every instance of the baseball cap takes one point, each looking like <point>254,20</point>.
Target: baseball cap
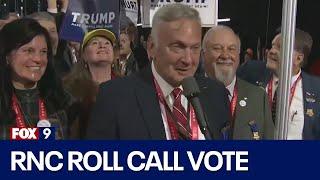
<point>98,32</point>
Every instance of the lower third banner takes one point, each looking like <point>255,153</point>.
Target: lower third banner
<point>159,159</point>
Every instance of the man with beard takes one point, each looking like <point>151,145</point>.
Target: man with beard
<point>251,115</point>
<point>304,97</point>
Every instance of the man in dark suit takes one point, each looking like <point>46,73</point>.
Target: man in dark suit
<point>149,105</point>
<point>304,96</point>
<point>251,114</point>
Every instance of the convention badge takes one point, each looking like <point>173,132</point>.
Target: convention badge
<point>243,103</point>
<point>310,112</point>
<point>254,130</point>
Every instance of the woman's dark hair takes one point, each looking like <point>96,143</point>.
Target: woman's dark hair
<point>14,35</point>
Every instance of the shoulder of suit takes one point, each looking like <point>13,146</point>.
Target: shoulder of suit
<point>205,82</point>
<point>310,77</point>
<point>253,64</point>
<point>118,84</point>
<point>252,71</point>
<point>311,83</point>
<point>249,87</point>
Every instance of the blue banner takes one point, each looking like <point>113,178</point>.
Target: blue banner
<point>159,159</point>
<point>85,15</point>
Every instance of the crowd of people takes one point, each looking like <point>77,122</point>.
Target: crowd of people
<point>110,87</point>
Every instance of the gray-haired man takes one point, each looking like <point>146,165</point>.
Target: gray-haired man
<point>149,105</point>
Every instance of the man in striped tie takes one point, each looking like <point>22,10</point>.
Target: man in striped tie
<point>150,104</point>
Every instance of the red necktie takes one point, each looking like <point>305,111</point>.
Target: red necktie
<point>180,115</point>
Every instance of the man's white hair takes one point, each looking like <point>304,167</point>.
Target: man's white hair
<point>215,29</point>
<point>171,13</point>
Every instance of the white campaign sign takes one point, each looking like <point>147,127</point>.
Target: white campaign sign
<point>207,9</point>
<point>131,9</point>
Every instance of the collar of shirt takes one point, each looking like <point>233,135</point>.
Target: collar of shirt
<point>128,56</point>
<point>293,79</point>
<point>165,87</point>
<point>231,86</point>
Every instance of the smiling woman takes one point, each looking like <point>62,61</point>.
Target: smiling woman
<point>30,90</point>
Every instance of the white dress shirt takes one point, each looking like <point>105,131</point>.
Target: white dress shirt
<point>296,114</point>
<point>230,88</point>
<point>166,89</point>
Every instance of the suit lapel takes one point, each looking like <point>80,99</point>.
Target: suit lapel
<point>204,102</point>
<point>207,98</point>
<point>149,104</point>
<point>267,77</point>
<point>308,103</point>
<point>240,121</point>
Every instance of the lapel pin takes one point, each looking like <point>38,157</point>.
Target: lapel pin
<point>310,100</point>
<point>310,94</point>
<point>310,112</point>
<point>259,83</point>
<point>254,130</point>
<point>242,103</point>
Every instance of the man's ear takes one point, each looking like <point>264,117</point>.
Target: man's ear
<point>151,46</point>
<point>299,59</point>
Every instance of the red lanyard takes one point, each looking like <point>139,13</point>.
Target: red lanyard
<point>113,75</point>
<point>171,124</point>
<point>233,102</point>
<point>19,116</point>
<point>292,90</point>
